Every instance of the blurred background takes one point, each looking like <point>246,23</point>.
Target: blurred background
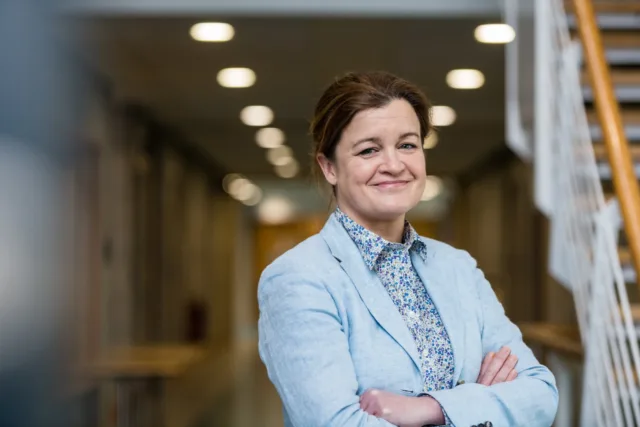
<point>155,157</point>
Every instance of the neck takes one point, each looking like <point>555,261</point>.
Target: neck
<point>390,230</point>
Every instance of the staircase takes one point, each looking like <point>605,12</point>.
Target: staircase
<point>619,23</point>
<point>595,225</point>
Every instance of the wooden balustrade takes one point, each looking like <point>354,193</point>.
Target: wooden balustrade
<point>624,179</point>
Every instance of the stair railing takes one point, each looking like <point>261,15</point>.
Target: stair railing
<point>584,228</point>
<point>625,181</point>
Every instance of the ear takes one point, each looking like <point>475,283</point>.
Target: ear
<point>328,169</point>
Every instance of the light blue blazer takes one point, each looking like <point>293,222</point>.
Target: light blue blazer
<point>329,331</point>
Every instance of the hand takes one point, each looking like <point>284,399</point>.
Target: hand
<point>498,367</point>
<point>402,411</point>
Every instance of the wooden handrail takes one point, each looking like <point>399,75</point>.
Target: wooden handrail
<point>625,182</point>
<point>561,338</point>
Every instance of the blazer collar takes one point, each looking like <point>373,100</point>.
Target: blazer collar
<point>380,304</point>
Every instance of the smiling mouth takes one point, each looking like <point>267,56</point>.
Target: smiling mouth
<point>391,184</point>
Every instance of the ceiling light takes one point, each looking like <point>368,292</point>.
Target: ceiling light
<point>242,189</point>
<point>495,33</point>
<point>246,192</point>
<point>465,79</point>
<point>256,115</point>
<point>430,141</point>
<point>270,137</point>
<point>441,115</point>
<point>238,188</point>
<point>229,179</point>
<point>432,188</point>
<point>280,156</point>
<point>212,32</point>
<point>236,77</point>
<point>255,197</point>
<point>289,169</point>
<point>276,210</point>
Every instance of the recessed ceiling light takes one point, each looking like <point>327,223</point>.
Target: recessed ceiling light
<point>212,32</point>
<point>256,115</point>
<point>230,179</point>
<point>495,33</point>
<point>289,169</point>
<point>441,115</point>
<point>236,77</point>
<point>242,189</point>
<point>276,210</point>
<point>432,188</point>
<point>255,198</point>
<point>465,79</point>
<point>270,137</point>
<point>246,192</point>
<point>239,187</point>
<point>430,141</point>
<point>280,156</point>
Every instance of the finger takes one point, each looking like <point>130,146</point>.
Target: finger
<point>494,366</point>
<point>512,375</point>
<point>367,405</point>
<point>485,362</point>
<point>503,373</point>
<point>365,401</point>
<point>491,366</point>
<point>371,402</point>
<point>374,408</point>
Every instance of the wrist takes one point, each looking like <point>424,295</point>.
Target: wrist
<point>432,411</point>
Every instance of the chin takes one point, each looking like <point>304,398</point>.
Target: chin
<point>391,210</point>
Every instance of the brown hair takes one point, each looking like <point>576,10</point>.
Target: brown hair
<point>356,92</point>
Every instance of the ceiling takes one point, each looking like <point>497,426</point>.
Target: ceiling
<point>397,8</point>
<point>154,62</point>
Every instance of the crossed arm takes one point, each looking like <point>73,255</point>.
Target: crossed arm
<point>407,411</point>
<point>316,380</point>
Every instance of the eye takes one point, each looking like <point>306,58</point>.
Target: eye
<point>367,152</point>
<point>408,146</point>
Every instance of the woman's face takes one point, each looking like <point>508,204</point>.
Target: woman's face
<point>379,166</point>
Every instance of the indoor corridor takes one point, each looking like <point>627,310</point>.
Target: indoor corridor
<point>155,159</point>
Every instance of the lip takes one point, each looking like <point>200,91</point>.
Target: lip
<point>391,184</point>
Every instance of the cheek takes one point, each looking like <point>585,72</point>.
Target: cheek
<point>358,172</point>
<point>417,166</point>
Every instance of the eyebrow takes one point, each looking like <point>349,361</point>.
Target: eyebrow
<point>408,134</point>
<point>376,140</point>
<point>373,139</point>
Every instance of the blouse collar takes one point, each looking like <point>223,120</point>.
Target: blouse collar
<point>372,245</point>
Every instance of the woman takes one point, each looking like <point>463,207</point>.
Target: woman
<point>369,324</point>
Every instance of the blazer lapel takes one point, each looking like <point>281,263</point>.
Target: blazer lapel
<point>369,286</point>
<point>443,296</point>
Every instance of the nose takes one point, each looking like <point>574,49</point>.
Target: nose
<point>392,163</point>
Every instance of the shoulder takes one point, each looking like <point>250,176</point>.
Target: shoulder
<point>438,251</point>
<point>452,263</point>
<point>311,255</point>
<point>309,262</point>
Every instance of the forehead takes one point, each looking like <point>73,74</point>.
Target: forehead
<point>397,116</point>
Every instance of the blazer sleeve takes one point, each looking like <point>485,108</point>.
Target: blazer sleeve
<point>305,350</point>
<point>530,400</point>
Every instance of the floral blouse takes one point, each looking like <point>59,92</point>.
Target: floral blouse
<point>392,263</point>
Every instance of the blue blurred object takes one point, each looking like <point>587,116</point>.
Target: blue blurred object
<point>32,152</point>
